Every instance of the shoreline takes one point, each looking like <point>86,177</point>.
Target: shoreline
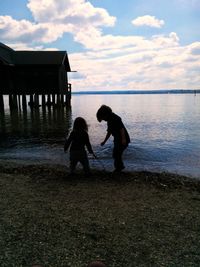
<point>163,179</point>
<point>18,163</point>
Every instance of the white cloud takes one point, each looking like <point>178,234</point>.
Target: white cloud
<point>166,41</point>
<point>28,32</point>
<point>53,18</point>
<point>140,67</point>
<point>195,48</point>
<point>76,12</point>
<point>11,29</point>
<point>29,47</point>
<point>148,20</point>
<point>94,39</point>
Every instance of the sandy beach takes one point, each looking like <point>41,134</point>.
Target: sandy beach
<point>132,219</point>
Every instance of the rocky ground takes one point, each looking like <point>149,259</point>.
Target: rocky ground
<point>131,219</point>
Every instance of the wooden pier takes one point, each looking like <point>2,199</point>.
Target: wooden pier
<point>21,102</point>
<point>34,78</point>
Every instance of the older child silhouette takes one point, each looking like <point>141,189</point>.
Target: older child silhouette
<point>117,129</point>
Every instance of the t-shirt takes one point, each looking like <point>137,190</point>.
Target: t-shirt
<point>115,125</point>
<point>77,141</point>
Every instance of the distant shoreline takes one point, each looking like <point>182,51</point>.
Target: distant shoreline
<point>125,92</point>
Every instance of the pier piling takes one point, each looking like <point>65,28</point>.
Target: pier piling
<point>20,102</point>
<point>24,104</point>
<point>1,103</point>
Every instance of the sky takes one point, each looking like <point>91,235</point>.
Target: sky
<point>112,44</point>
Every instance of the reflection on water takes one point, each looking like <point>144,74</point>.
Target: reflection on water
<point>36,125</point>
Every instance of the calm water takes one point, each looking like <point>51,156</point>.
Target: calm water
<point>164,130</point>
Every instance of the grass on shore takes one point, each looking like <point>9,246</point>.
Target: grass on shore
<point>135,219</point>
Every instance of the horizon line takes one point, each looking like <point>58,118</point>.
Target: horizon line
<point>155,91</point>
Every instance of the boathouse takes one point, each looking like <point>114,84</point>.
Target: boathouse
<point>34,73</point>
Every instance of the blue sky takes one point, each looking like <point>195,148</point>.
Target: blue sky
<point>113,45</point>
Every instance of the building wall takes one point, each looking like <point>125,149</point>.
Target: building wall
<point>30,80</point>
<point>6,80</point>
<point>63,79</point>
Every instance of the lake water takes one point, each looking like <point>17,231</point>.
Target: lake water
<point>164,131</point>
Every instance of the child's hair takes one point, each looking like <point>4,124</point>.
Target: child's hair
<point>80,124</point>
<point>103,112</point>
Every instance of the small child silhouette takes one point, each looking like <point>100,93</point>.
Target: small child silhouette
<point>77,141</point>
<point>117,129</point>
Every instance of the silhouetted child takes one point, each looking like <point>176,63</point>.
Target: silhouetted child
<point>77,141</point>
<point>117,129</point>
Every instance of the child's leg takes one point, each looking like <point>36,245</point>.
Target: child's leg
<point>117,156</point>
<point>85,162</point>
<point>73,161</point>
<point>73,164</point>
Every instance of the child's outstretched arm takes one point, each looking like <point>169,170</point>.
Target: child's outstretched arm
<point>94,155</point>
<point>88,145</point>
<point>106,138</point>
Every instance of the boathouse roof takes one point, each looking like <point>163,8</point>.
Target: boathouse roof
<point>6,54</point>
<point>10,56</point>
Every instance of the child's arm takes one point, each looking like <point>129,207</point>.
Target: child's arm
<point>106,138</point>
<point>88,145</point>
<point>67,143</point>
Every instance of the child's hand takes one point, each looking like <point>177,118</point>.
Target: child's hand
<point>94,155</point>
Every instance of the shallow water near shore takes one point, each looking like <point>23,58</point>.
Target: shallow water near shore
<point>164,130</point>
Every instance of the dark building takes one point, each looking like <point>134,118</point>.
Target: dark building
<point>33,72</point>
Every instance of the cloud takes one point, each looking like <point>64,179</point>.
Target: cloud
<point>149,21</point>
<point>30,47</point>
<point>11,29</point>
<point>195,48</point>
<point>76,12</point>
<point>93,39</point>
<point>54,18</point>
<point>166,41</point>
<point>148,65</point>
<point>28,32</point>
